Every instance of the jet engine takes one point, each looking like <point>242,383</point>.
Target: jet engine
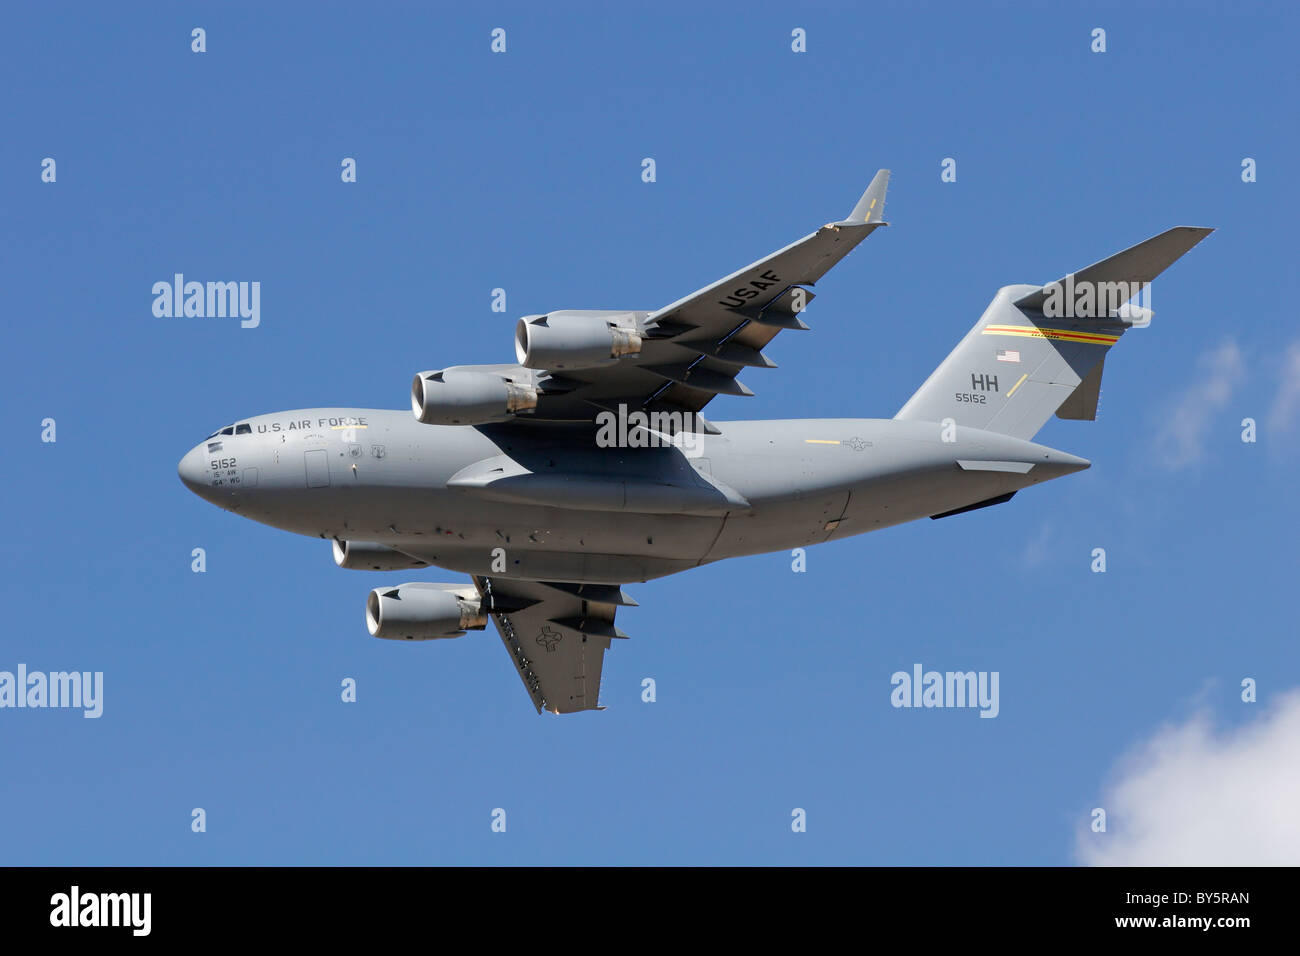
<point>465,397</point>
<point>574,340</point>
<point>422,612</point>
<point>370,556</point>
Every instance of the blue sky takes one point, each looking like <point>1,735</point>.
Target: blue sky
<point>522,171</point>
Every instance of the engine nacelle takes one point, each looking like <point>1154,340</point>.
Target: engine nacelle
<point>574,340</point>
<point>465,397</point>
<point>371,556</point>
<point>422,612</point>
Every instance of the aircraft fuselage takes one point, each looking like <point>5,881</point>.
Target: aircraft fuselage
<point>584,513</point>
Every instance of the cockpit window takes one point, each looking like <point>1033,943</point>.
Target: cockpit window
<point>244,428</point>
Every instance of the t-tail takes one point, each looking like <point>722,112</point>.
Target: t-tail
<point>1039,350</point>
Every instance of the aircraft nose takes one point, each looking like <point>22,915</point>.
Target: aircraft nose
<point>191,469</point>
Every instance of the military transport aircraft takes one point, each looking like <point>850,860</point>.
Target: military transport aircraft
<point>586,465</point>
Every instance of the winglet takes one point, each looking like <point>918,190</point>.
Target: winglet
<point>871,207</point>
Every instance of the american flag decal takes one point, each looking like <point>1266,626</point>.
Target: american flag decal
<point>1008,355</point>
<point>214,446</point>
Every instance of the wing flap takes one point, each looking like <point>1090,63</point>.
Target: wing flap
<point>556,635</point>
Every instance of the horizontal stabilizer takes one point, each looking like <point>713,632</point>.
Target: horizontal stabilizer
<point>1136,265</point>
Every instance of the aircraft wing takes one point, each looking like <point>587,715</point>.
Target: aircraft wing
<point>556,635</point>
<point>694,348</point>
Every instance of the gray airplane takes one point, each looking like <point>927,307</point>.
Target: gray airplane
<point>585,466</point>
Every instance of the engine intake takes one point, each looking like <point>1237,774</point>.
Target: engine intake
<point>574,340</point>
<point>372,556</point>
<point>464,397</point>
<point>423,612</point>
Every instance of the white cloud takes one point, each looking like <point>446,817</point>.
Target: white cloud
<point>1286,404</point>
<point>1180,440</point>
<point>1036,548</point>
<point>1192,797</point>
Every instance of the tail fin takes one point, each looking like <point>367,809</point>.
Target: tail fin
<point>1039,350</point>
